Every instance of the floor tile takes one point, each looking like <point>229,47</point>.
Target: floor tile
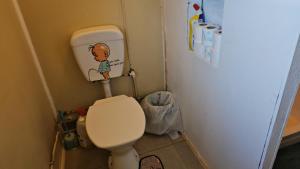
<point>175,154</point>
<point>179,139</point>
<point>87,159</point>
<point>169,157</point>
<point>187,156</point>
<point>151,142</point>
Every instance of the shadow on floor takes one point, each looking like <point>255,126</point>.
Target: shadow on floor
<point>288,157</point>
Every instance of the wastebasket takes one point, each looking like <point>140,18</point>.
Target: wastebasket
<point>162,114</point>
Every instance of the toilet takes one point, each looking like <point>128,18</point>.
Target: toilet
<point>114,123</point>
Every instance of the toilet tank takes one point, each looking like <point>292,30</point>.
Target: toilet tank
<point>99,52</point>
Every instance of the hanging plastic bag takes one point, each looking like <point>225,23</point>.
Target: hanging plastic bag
<point>162,114</point>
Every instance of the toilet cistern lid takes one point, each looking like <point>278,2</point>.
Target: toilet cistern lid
<point>116,122</point>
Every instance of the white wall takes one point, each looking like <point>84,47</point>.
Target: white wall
<point>213,10</point>
<point>67,85</point>
<point>27,125</point>
<point>227,111</point>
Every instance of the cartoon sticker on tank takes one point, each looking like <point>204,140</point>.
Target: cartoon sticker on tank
<point>101,52</point>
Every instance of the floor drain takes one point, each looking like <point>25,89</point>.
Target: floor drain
<point>151,162</point>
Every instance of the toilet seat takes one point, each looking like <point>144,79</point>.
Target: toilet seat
<point>115,121</point>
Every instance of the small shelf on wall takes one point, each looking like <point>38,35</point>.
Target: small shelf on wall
<point>204,29</point>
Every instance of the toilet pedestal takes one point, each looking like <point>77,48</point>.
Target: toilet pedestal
<point>124,157</point>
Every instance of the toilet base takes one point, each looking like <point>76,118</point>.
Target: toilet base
<point>124,158</point>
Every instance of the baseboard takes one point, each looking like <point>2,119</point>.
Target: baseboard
<point>62,161</point>
<point>60,157</point>
<point>199,157</point>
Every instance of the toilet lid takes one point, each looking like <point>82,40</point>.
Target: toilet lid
<point>115,121</point>
<point>111,99</point>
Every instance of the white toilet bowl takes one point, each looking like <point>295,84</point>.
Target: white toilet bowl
<point>115,124</point>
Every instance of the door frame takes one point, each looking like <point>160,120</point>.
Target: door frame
<point>285,106</point>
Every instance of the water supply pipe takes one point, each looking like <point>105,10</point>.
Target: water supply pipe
<point>106,87</point>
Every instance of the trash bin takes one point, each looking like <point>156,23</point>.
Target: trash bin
<point>162,114</point>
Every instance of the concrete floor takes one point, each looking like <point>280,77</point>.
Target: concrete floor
<point>175,154</point>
